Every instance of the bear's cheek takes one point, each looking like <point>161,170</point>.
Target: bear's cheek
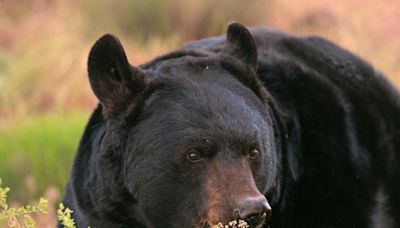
<point>167,197</point>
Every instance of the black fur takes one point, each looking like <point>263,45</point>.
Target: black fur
<point>326,122</point>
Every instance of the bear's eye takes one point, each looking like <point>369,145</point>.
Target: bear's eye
<point>193,156</point>
<point>254,153</point>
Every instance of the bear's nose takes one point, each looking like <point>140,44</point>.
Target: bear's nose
<point>254,210</point>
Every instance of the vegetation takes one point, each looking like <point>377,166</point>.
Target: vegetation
<point>37,152</point>
<point>233,224</point>
<point>20,217</point>
<point>64,215</point>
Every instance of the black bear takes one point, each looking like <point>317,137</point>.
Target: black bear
<point>259,125</point>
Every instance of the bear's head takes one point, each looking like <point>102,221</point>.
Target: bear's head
<point>188,140</point>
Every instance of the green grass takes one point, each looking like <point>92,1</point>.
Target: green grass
<point>39,148</point>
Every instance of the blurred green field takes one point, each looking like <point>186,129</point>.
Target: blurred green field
<point>37,151</point>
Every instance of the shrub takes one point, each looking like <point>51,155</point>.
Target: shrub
<point>21,216</point>
<point>65,217</point>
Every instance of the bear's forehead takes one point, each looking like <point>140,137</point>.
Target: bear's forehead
<point>210,108</point>
<point>197,93</point>
<point>179,126</point>
<point>199,78</point>
<point>205,98</point>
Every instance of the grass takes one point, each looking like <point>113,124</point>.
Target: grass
<point>37,152</point>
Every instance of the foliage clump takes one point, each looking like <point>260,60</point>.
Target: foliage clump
<point>233,224</point>
<point>65,217</point>
<point>20,217</point>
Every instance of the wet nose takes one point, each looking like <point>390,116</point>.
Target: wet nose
<point>253,210</point>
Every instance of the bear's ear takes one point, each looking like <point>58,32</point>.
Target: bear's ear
<point>241,44</point>
<point>113,80</point>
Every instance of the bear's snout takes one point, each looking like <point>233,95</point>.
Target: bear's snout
<point>253,210</point>
<point>232,194</point>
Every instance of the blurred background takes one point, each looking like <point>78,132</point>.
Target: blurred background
<point>45,98</point>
